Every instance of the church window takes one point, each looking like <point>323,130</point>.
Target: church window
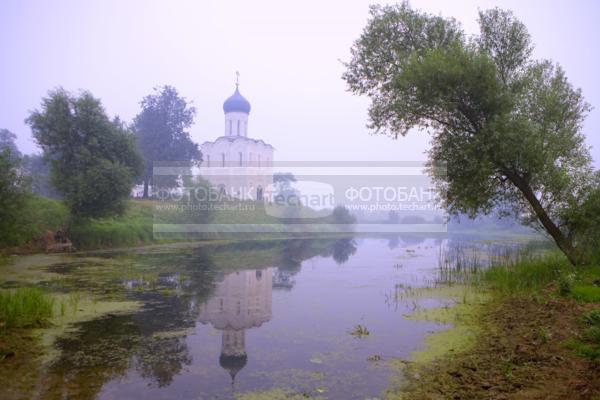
<point>223,159</point>
<point>241,161</point>
<point>230,127</point>
<point>238,127</point>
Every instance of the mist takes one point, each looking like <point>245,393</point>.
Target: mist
<point>290,57</point>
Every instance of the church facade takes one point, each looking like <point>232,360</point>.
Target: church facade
<point>238,165</point>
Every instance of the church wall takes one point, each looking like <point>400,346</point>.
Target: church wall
<point>231,124</point>
<point>239,182</point>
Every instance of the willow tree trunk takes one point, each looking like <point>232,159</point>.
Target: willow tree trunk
<point>563,242</point>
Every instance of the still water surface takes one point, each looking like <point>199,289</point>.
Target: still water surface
<point>216,322</point>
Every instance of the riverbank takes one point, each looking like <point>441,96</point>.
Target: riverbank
<point>48,217</point>
<point>535,335</point>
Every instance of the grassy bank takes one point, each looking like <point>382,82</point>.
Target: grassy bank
<point>39,215</point>
<point>135,226</point>
<point>43,217</point>
<point>536,336</point>
<point>132,228</point>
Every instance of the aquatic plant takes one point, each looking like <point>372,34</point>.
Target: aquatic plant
<point>360,331</point>
<point>25,307</point>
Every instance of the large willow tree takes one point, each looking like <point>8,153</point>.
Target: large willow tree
<point>506,127</point>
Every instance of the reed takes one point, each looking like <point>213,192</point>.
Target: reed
<point>25,308</point>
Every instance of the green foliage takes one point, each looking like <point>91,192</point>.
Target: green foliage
<point>506,129</point>
<point>161,131</point>
<point>25,308</point>
<point>13,195</point>
<point>93,160</point>
<point>7,142</point>
<point>37,170</point>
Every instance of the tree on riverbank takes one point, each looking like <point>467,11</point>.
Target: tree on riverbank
<point>93,160</point>
<point>506,128</point>
<point>7,142</point>
<point>161,130</point>
<point>13,194</point>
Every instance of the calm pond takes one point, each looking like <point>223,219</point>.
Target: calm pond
<point>221,320</point>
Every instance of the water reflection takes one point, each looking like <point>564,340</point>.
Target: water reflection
<point>241,301</point>
<point>280,310</point>
<point>343,249</point>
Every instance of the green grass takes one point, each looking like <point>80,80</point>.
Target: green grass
<point>586,293</point>
<point>37,216</point>
<point>586,289</point>
<point>25,308</point>
<point>45,214</point>
<point>528,275</point>
<point>588,345</point>
<point>580,283</point>
<point>132,228</point>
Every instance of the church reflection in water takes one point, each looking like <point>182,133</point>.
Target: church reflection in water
<point>241,301</point>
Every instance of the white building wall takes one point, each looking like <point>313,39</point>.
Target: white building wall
<point>236,124</point>
<point>239,179</point>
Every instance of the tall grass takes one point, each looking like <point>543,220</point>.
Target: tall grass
<point>468,263</point>
<point>529,275</point>
<point>25,308</point>
<point>508,269</point>
<point>36,216</point>
<point>132,228</point>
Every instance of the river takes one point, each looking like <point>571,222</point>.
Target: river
<point>224,321</point>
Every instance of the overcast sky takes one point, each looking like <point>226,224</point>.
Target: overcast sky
<point>289,55</point>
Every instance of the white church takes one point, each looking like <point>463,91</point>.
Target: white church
<point>238,165</point>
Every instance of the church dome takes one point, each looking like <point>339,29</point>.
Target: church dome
<point>233,364</point>
<point>236,103</point>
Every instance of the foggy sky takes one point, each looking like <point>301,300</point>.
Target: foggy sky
<point>289,55</point>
